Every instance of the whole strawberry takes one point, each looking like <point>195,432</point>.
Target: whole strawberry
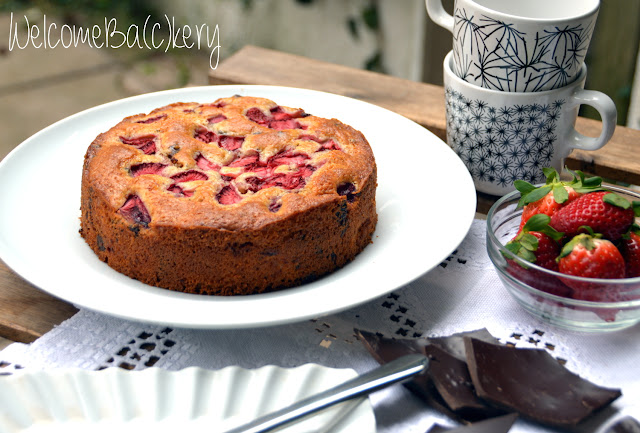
<point>630,249</point>
<point>547,205</point>
<point>589,255</point>
<point>537,243</point>
<point>554,194</point>
<point>603,211</point>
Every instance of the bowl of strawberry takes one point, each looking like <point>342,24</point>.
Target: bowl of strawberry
<point>569,251</point>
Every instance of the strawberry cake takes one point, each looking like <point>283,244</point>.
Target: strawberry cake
<point>235,197</point>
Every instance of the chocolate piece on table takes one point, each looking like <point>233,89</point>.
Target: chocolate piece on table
<point>500,424</point>
<point>533,383</point>
<point>453,382</point>
<point>423,387</point>
<point>625,425</point>
<point>387,349</point>
<point>447,385</point>
<point>454,344</point>
<point>439,429</point>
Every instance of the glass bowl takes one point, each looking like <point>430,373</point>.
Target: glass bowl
<point>542,293</point>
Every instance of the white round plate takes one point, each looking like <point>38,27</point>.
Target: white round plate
<point>425,200</point>
<point>193,400</point>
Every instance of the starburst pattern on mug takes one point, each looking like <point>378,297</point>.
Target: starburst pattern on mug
<point>494,54</point>
<point>501,144</point>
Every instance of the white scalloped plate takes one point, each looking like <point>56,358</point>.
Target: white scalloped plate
<point>193,400</point>
<point>425,200</point>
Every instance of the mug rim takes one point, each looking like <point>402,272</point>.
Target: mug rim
<point>448,70</point>
<point>494,12</point>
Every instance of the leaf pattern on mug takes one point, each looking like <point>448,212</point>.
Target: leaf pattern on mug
<point>494,54</point>
<point>502,144</point>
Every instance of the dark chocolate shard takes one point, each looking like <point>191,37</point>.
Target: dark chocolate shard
<point>447,385</point>
<point>500,424</point>
<point>437,428</point>
<point>450,375</point>
<point>454,344</point>
<point>625,425</point>
<point>422,386</point>
<point>533,383</point>
<point>451,378</point>
<point>387,349</point>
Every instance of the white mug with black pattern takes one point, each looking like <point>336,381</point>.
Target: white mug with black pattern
<point>518,45</point>
<point>505,136</point>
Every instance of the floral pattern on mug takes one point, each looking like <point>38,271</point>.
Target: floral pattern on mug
<point>501,144</point>
<point>495,55</point>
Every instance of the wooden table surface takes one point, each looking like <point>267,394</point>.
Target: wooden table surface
<point>27,312</point>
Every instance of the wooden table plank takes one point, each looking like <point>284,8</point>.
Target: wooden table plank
<point>25,311</point>
<point>422,103</point>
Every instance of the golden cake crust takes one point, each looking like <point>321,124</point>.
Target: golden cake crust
<point>239,196</point>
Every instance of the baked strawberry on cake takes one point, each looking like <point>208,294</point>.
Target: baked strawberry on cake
<point>236,197</point>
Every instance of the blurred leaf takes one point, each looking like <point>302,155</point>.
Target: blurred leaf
<point>616,200</point>
<point>374,63</point>
<point>352,25</point>
<point>14,5</point>
<point>123,10</point>
<point>560,193</point>
<point>370,17</point>
<point>184,74</point>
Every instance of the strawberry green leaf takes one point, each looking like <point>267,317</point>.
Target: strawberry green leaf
<point>583,184</point>
<point>592,182</point>
<point>527,255</point>
<point>576,174</point>
<point>560,194</point>
<point>529,242</point>
<point>540,223</point>
<point>537,223</point>
<point>616,200</point>
<point>586,190</point>
<point>636,207</point>
<point>590,231</point>
<point>551,174</point>
<point>536,194</point>
<point>523,186</point>
<point>635,228</point>
<point>566,250</point>
<point>521,250</point>
<point>580,183</point>
<point>583,239</point>
<point>514,247</point>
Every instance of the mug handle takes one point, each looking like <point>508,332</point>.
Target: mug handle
<point>439,15</point>
<point>608,114</point>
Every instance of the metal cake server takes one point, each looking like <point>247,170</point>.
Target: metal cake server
<point>395,371</point>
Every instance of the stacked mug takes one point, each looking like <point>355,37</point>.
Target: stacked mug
<point>514,82</point>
